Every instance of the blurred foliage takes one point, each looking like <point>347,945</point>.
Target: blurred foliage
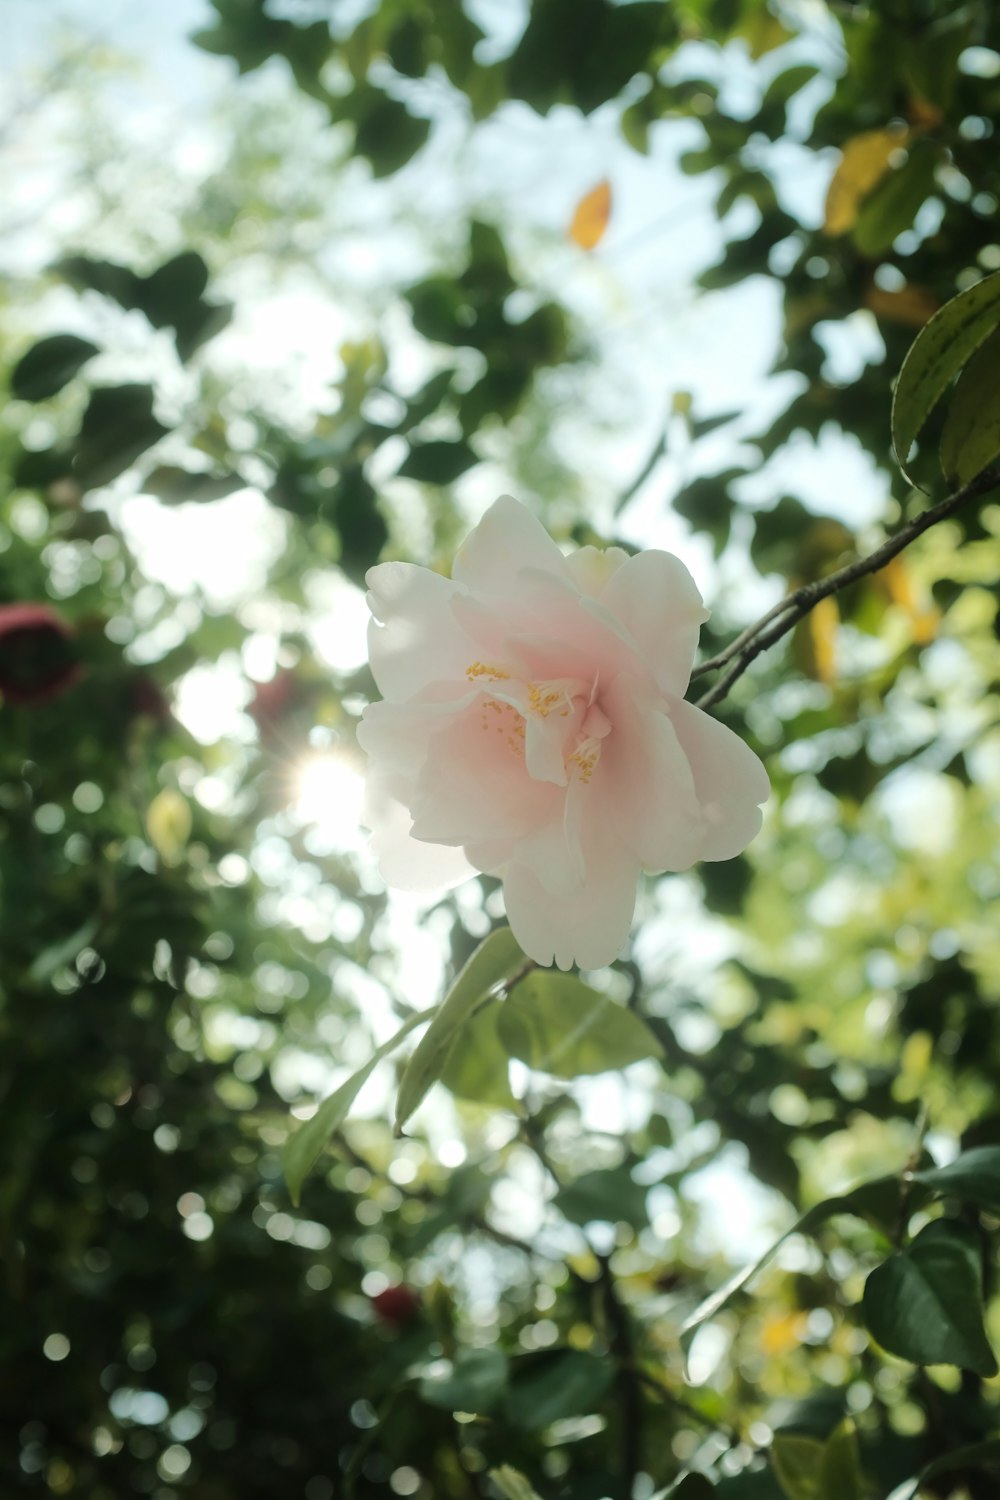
<point>185,952</point>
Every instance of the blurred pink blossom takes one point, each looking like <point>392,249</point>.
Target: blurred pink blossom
<point>533,727</point>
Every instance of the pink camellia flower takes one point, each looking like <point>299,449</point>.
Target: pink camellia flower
<point>533,726</point>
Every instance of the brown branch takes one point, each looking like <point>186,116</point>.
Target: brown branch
<point>783,616</point>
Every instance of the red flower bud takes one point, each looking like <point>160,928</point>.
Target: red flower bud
<point>37,660</point>
<point>396,1306</point>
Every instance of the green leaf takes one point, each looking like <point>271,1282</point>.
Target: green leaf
<point>797,1463</point>
<point>303,1149</point>
<point>939,351</point>
<point>63,952</point>
<point>437,462</point>
<point>477,1066</point>
<point>513,1485</point>
<point>117,427</point>
<point>103,276</point>
<point>690,1487</point>
<point>559,1025</point>
<point>199,323</point>
<point>871,1200</point>
<point>475,1382</point>
<point>174,485</point>
<point>973,1177</point>
<point>168,291</point>
<point>841,1476</point>
<point>977,1456</point>
<point>607,1194</point>
<point>386,133</point>
<point>563,1383</point>
<point>925,1304</point>
<point>971,438</point>
<point>49,365</point>
<point>497,958</point>
<point>893,205</point>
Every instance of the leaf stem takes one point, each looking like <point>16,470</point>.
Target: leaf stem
<point>780,619</point>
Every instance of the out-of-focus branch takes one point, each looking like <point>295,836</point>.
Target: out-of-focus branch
<point>785,615</point>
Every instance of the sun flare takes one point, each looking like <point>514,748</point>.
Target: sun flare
<point>329,794</point>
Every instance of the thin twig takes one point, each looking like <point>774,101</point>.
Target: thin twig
<point>782,617</point>
<point>628,1381</point>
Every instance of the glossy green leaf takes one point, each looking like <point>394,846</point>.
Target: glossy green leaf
<point>497,958</point>
<point>477,1066</point>
<point>563,1383</point>
<point>925,1304</point>
<point>974,1177</point>
<point>304,1147</point>
<point>559,1025</point>
<point>49,365</point>
<point>937,354</point>
<point>475,1382</point>
<point>970,441</point>
<point>512,1484</point>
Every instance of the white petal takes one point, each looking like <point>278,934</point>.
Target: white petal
<point>591,568</point>
<point>590,927</point>
<point>657,601</point>
<point>729,779</point>
<point>473,787</point>
<point>645,781</point>
<point>507,539</point>
<point>406,862</point>
<point>395,736</point>
<point>419,640</point>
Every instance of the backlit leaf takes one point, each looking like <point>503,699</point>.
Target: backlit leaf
<point>559,1025</point>
<point>304,1147</point>
<point>797,1462</point>
<point>937,354</point>
<point>970,441</point>
<point>497,958</point>
<point>591,217</point>
<point>864,161</point>
<point>513,1485</point>
<point>168,823</point>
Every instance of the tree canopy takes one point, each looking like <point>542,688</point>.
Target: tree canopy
<point>720,1218</point>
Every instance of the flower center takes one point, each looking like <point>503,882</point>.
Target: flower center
<point>554,725</point>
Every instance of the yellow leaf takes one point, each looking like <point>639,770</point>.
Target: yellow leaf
<point>924,618</point>
<point>864,161</point>
<point>782,1332</point>
<point>824,621</point>
<point>762,32</point>
<point>168,823</point>
<point>912,305</point>
<point>591,217</point>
